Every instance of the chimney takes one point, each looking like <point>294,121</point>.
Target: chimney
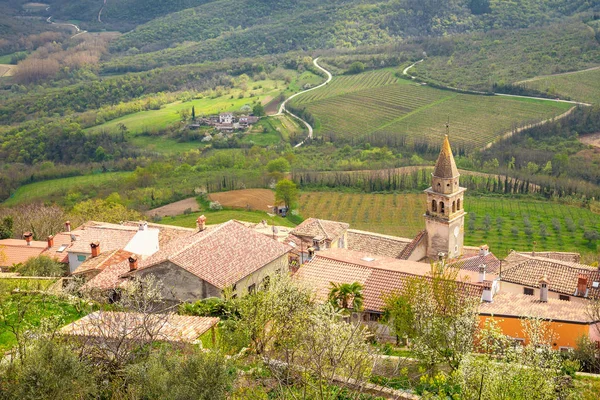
<point>201,223</point>
<point>484,250</point>
<point>582,281</point>
<point>95,249</point>
<point>68,226</point>
<point>50,241</point>
<point>488,295</point>
<point>544,282</point>
<point>133,265</point>
<point>28,236</point>
<point>482,268</point>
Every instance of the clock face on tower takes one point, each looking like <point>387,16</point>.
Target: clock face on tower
<point>456,231</point>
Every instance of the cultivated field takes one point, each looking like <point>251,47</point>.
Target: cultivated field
<point>250,199</point>
<point>217,217</point>
<point>376,105</point>
<point>502,223</point>
<point>582,86</point>
<point>6,70</point>
<point>155,120</point>
<point>176,208</point>
<point>48,191</point>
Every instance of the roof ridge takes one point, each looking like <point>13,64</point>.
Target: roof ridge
<point>322,228</point>
<point>199,239</point>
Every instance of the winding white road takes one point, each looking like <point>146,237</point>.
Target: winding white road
<point>282,109</point>
<point>77,30</point>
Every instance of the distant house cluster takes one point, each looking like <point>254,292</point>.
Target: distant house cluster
<point>225,122</point>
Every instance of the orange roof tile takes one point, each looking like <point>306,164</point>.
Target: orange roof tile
<point>379,276</point>
<point>521,306</point>
<point>110,236</point>
<point>13,251</point>
<point>382,245</point>
<point>60,240</point>
<point>220,255</point>
<point>104,260</point>
<point>320,228</point>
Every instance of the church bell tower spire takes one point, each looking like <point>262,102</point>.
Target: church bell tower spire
<point>445,214</point>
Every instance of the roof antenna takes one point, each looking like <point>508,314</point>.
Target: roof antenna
<point>448,127</point>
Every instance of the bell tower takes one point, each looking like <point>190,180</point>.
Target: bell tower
<point>445,216</point>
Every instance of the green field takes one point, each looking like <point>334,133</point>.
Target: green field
<point>217,217</point>
<point>46,191</point>
<point>155,120</point>
<point>582,86</point>
<point>376,105</point>
<point>402,215</point>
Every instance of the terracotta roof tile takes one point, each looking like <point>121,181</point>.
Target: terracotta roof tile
<point>60,240</point>
<point>221,255</point>
<point>170,328</point>
<point>445,167</point>
<point>383,245</point>
<point>472,263</point>
<point>109,278</point>
<point>314,227</point>
<point>167,233</point>
<point>379,277</point>
<point>104,260</point>
<point>563,276</point>
<point>555,255</point>
<point>110,236</point>
<point>520,305</point>
<point>406,253</point>
<point>13,251</point>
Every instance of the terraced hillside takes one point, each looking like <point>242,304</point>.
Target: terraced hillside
<point>378,108</point>
<point>581,86</point>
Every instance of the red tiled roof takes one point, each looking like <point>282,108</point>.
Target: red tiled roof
<point>472,263</point>
<point>14,251</point>
<point>104,260</point>
<point>167,233</point>
<point>378,277</point>
<point>520,305</point>
<point>60,240</point>
<point>110,236</point>
<point>406,253</point>
<point>166,328</point>
<point>221,255</point>
<point>563,276</point>
<point>555,255</point>
<point>383,245</point>
<point>109,277</point>
<point>322,228</point>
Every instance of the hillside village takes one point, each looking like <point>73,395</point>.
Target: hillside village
<point>239,258</point>
<point>300,200</point>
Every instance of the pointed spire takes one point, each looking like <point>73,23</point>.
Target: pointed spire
<point>445,167</point>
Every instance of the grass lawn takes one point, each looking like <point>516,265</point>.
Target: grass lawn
<point>35,307</point>
<point>155,120</point>
<point>8,285</point>
<point>6,59</point>
<point>58,188</point>
<point>503,223</point>
<point>217,217</point>
<point>376,106</point>
<point>583,86</point>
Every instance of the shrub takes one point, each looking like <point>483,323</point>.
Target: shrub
<point>41,266</point>
<point>215,206</point>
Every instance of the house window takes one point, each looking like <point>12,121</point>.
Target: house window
<point>453,206</point>
<point>564,297</point>
<point>442,208</point>
<point>81,257</point>
<point>458,204</point>
<point>252,288</point>
<point>433,205</point>
<point>234,287</point>
<point>265,282</point>
<point>519,341</point>
<point>528,291</point>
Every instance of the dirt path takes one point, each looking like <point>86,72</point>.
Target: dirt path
<point>550,76</point>
<point>283,110</point>
<point>177,208</point>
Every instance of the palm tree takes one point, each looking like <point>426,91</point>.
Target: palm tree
<point>346,296</point>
